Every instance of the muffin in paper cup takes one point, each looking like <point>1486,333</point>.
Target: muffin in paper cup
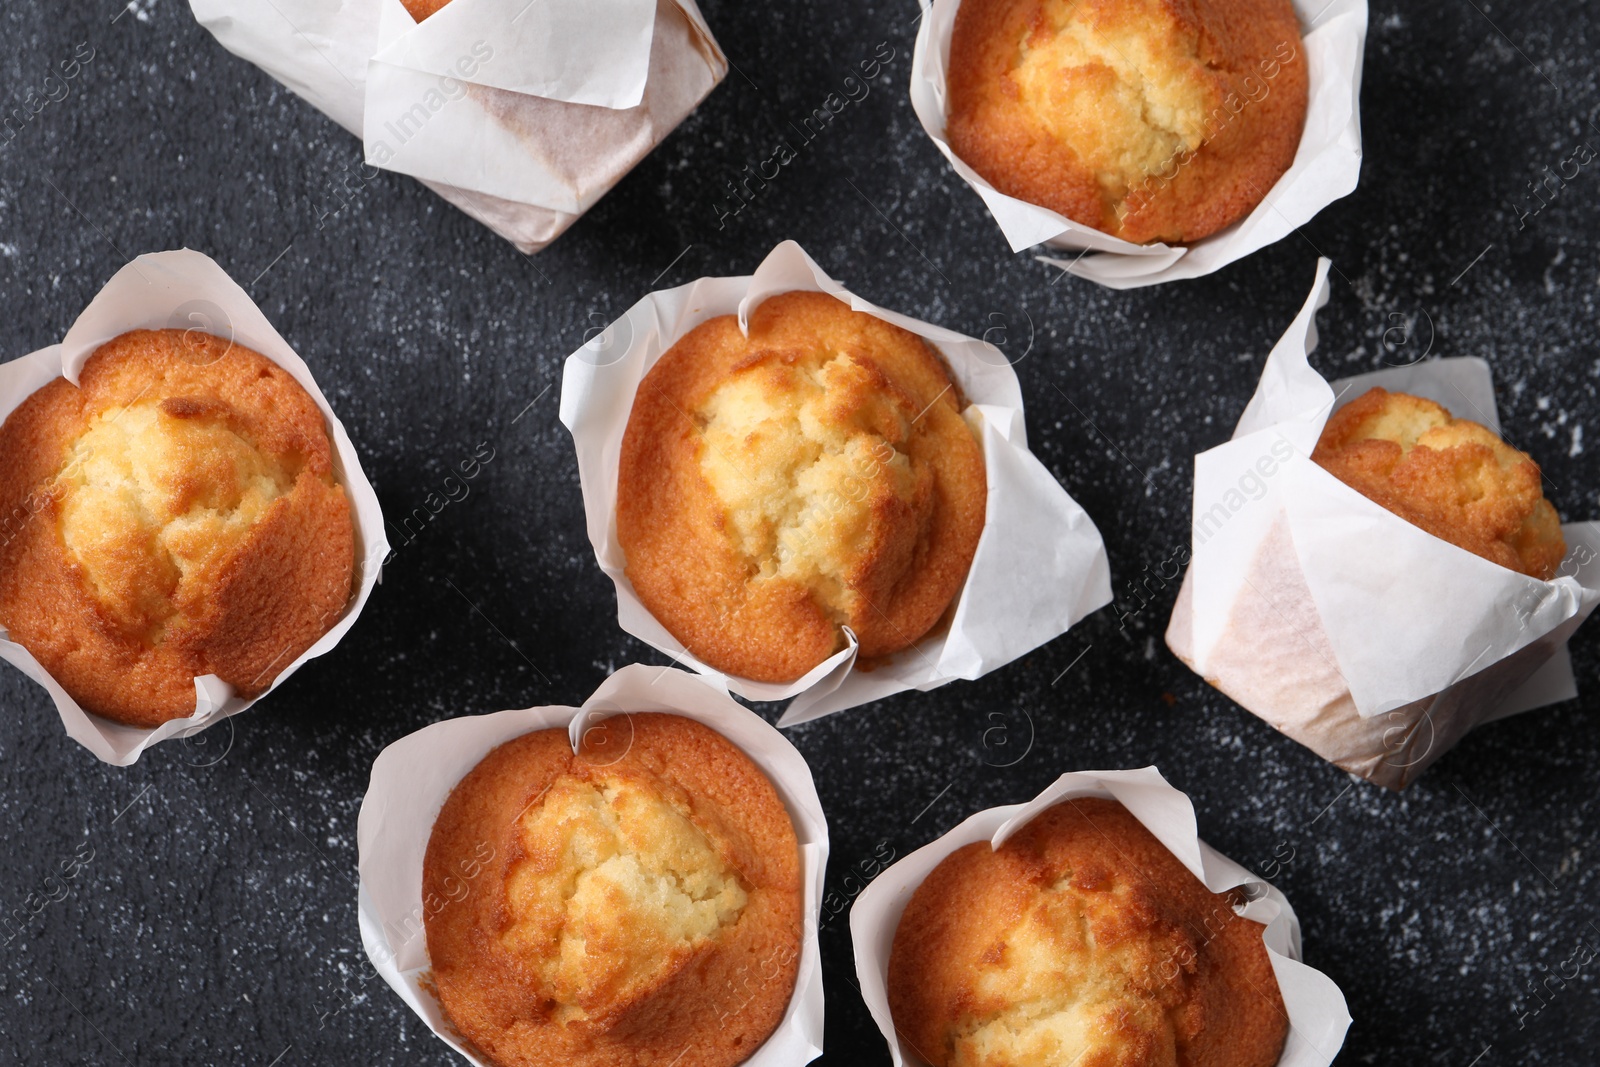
<point>1040,565</point>
<point>186,290</point>
<point>546,104</point>
<point>412,778</point>
<point>1318,1016</point>
<point>1360,635</point>
<point>1325,168</point>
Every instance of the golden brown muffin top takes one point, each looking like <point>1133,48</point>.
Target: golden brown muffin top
<point>1083,941</point>
<point>421,9</point>
<point>597,908</point>
<point>1454,478</point>
<point>814,475</point>
<point>1152,120</point>
<point>174,514</point>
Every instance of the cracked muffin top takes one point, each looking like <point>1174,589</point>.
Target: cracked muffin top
<point>635,902</point>
<point>776,488</point>
<point>1081,940</point>
<point>174,514</point>
<point>1452,477</point>
<point>1151,120</point>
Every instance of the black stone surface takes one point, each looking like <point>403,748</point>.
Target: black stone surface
<point>216,920</point>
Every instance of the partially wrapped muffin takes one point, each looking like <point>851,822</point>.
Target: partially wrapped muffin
<point>1378,581</point>
<point>1453,477</point>
<point>777,487</point>
<point>638,901</point>
<point>180,517</point>
<point>1081,940</point>
<point>1150,120</point>
<point>522,113</point>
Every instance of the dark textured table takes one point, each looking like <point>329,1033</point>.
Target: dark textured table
<point>211,915</point>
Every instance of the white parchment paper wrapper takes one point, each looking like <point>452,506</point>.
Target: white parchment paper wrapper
<point>1040,565</point>
<point>186,290</point>
<point>1358,634</point>
<point>1318,1017</point>
<point>520,113</point>
<point>1325,168</point>
<point>412,777</point>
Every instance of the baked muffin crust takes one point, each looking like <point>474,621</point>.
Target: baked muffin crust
<point>421,9</point>
<point>1452,477</point>
<point>602,909</point>
<point>815,475</point>
<point>173,515</point>
<point>1151,120</point>
<point>1081,940</point>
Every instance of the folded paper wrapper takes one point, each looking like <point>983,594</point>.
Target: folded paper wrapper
<point>1318,1016</point>
<point>1326,167</point>
<point>412,778</point>
<point>1363,637</point>
<point>186,290</point>
<point>546,104</point>
<point>1040,564</point>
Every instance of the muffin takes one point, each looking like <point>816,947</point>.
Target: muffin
<point>1452,477</point>
<point>421,9</point>
<point>638,902</point>
<point>776,488</point>
<point>174,514</point>
<point>1150,120</point>
<point>1081,940</point>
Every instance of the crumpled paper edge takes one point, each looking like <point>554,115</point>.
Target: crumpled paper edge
<point>597,392</point>
<point>329,73</point>
<point>1216,577</point>
<point>1318,1014</point>
<point>1326,167</point>
<point>612,75</point>
<point>412,777</point>
<point>159,286</point>
<point>494,155</point>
